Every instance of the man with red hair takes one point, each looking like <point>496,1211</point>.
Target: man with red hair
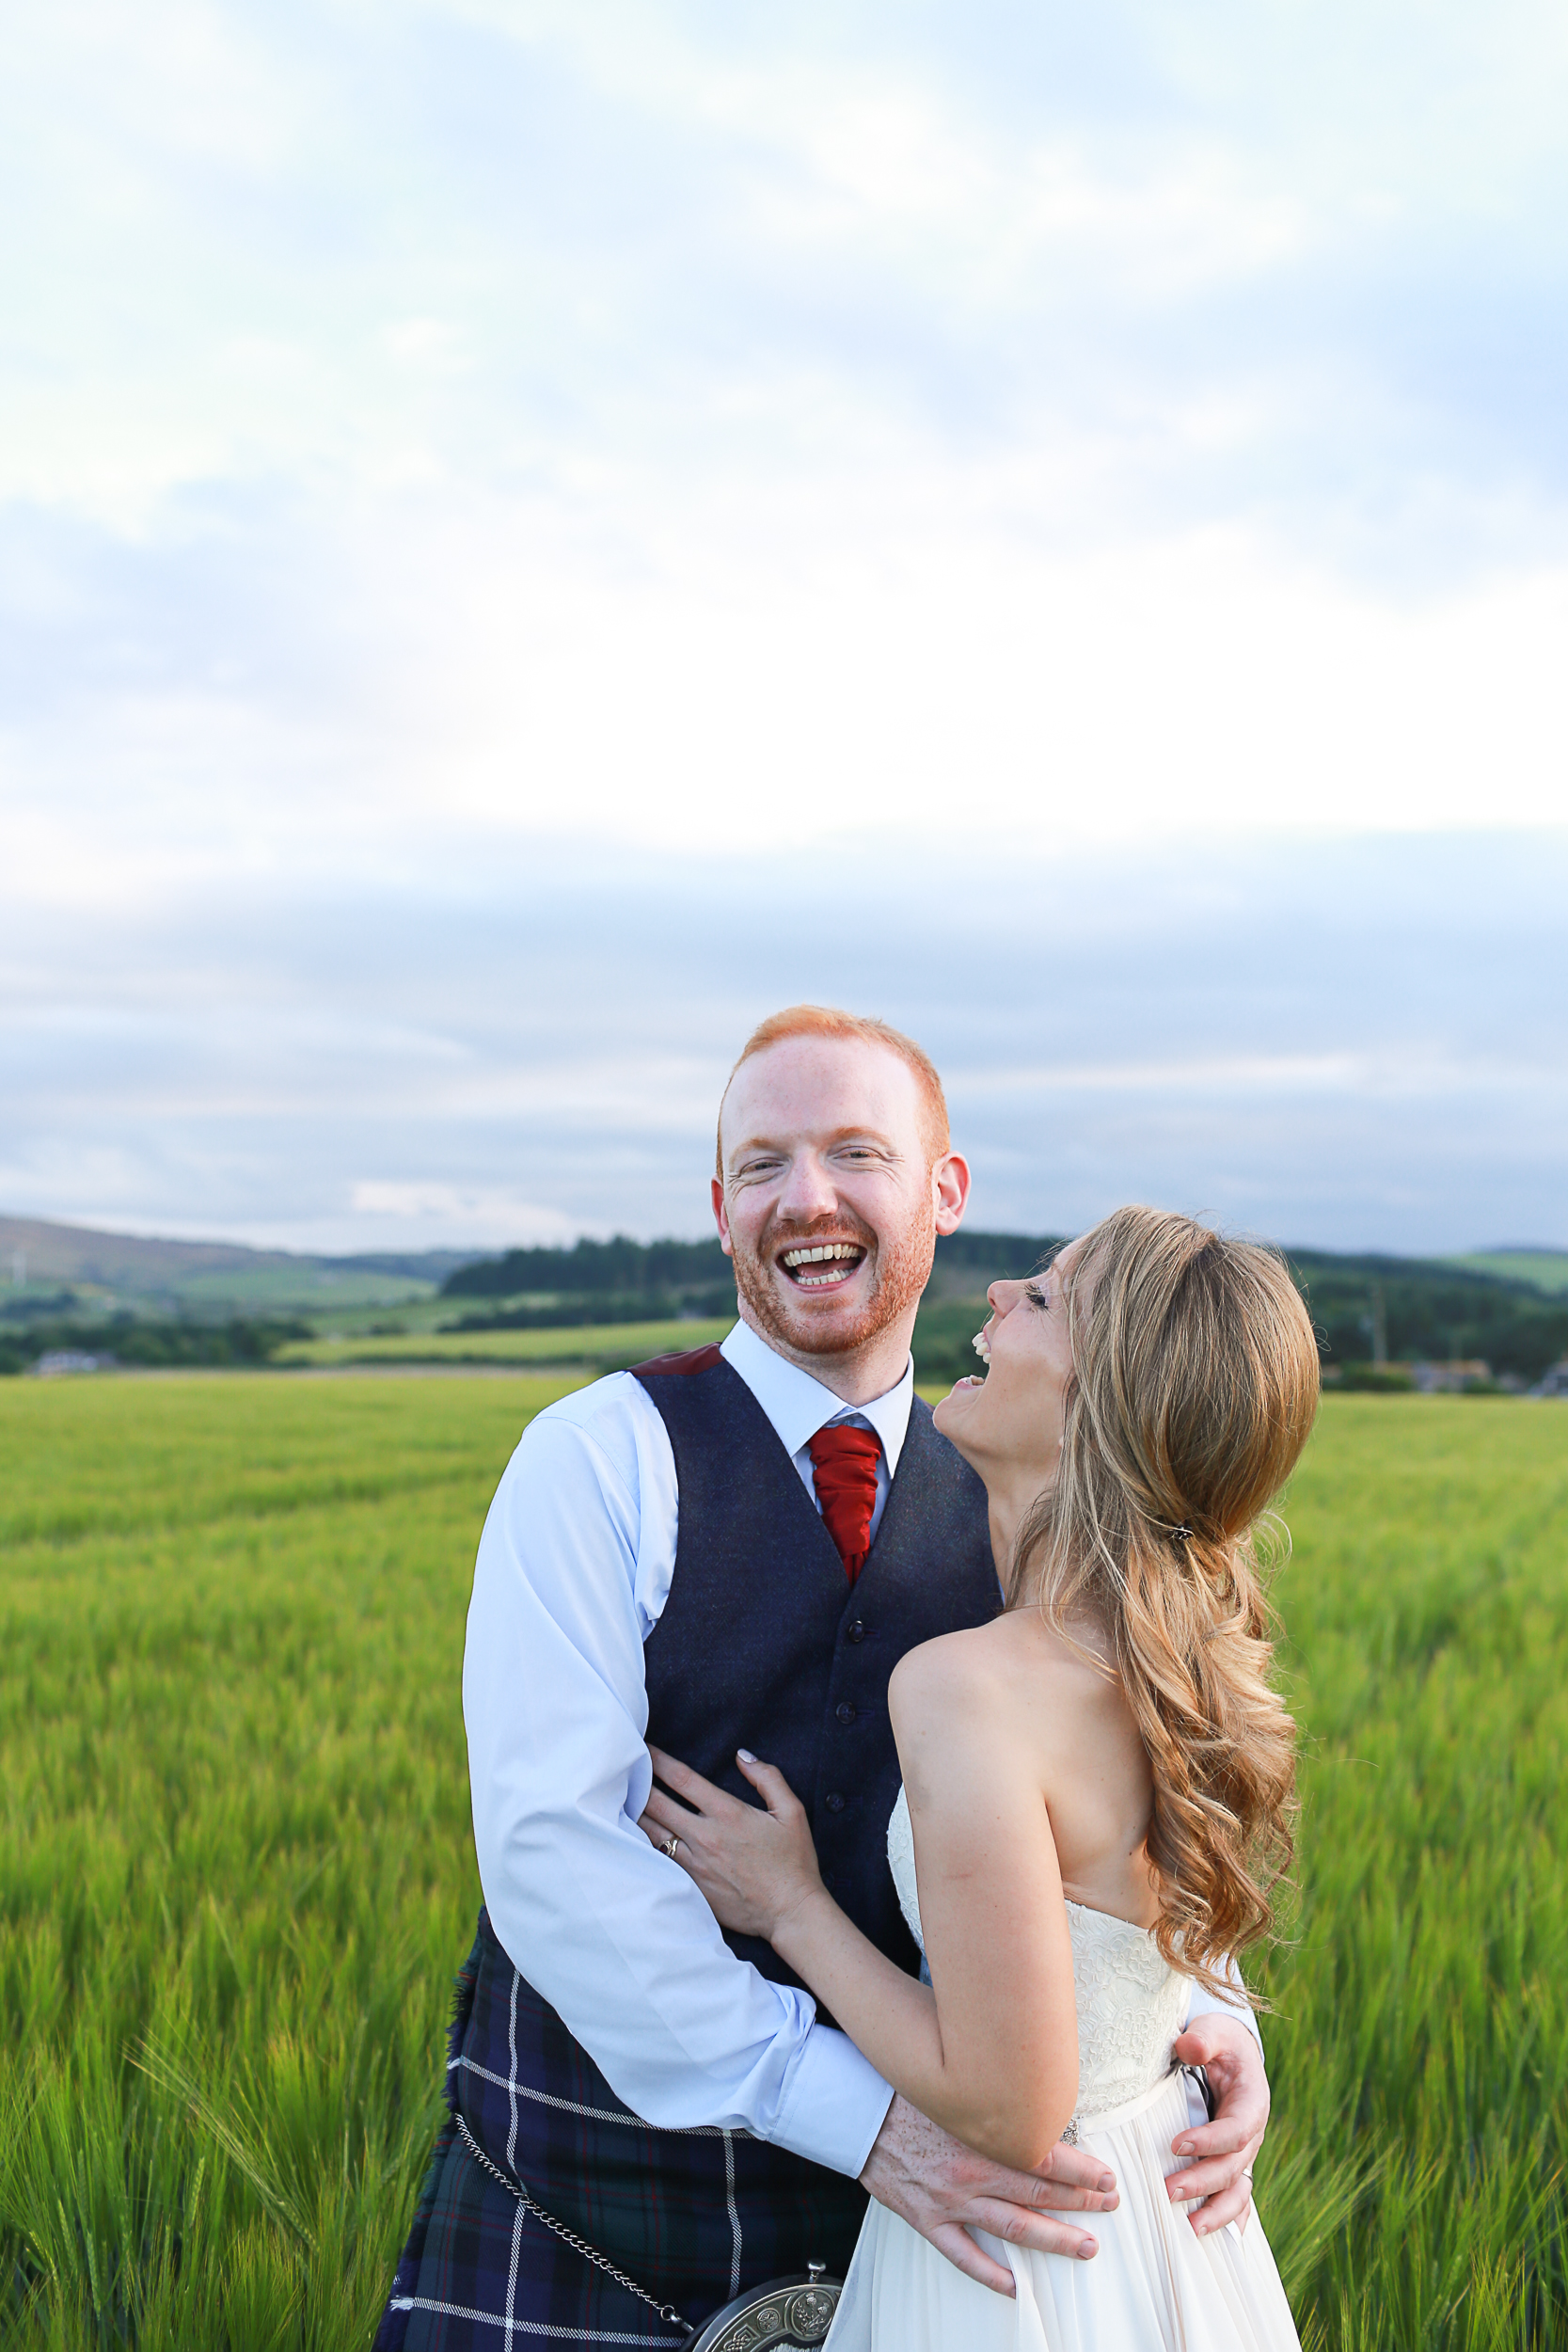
<point>730,1548</point>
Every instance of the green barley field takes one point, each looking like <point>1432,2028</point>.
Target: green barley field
<point>236,1877</point>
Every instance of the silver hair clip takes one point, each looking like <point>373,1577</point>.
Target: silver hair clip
<point>1183,1534</point>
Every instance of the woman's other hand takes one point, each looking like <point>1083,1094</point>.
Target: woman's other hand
<point>755,1868</point>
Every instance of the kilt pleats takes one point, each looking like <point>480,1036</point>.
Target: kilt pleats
<point>695,2217</point>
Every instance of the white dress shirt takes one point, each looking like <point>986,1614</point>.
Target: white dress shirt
<point>574,1569</point>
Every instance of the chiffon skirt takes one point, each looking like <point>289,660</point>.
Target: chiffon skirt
<point>1152,2287</point>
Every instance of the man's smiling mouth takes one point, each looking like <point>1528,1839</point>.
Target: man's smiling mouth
<point>821,1265</point>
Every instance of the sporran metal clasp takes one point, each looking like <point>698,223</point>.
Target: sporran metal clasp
<point>786,2315</point>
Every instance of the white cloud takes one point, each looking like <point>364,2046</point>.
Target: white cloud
<point>1146,688</point>
<point>450,1215</point>
<point>1414,1070</point>
<point>923,671</point>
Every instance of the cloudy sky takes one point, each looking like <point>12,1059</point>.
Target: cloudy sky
<point>530,534</point>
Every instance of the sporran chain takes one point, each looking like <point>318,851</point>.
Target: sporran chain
<point>569,2237</point>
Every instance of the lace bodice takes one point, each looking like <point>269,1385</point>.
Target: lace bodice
<point>1131,2004</point>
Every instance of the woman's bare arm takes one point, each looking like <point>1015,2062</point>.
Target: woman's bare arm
<point>989,2052</point>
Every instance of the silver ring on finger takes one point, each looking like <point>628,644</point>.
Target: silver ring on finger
<point>670,1846</point>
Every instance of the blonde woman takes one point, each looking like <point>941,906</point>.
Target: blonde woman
<point>1097,1792</point>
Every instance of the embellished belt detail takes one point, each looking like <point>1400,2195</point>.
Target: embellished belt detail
<point>1100,2118</point>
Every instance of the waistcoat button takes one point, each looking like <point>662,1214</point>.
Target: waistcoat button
<point>834,1803</point>
<point>855,1632</point>
<point>846,1713</point>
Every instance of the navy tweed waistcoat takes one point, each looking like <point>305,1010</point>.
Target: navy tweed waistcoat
<point>762,1643</point>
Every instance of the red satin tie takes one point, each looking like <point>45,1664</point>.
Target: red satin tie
<point>845,1459</point>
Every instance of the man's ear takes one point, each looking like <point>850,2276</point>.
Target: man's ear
<point>721,1218</point>
<point>950,1181</point>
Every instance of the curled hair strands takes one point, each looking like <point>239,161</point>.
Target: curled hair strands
<point>1194,1387</point>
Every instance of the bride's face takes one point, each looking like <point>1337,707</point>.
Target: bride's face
<point>1007,1421</point>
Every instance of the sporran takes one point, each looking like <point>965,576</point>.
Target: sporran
<point>786,2315</point>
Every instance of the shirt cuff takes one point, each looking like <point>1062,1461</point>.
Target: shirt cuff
<point>1203,2003</point>
<point>835,2104</point>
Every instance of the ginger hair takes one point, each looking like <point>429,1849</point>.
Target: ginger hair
<point>1194,1390</point>
<point>826,1021</point>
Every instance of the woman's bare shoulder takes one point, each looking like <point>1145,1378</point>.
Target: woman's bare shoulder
<point>946,1671</point>
<point>1016,1716</point>
<point>1019,1647</point>
<point>963,1740</point>
<point>984,1680</point>
<point>1017,1678</point>
<point>945,1699</point>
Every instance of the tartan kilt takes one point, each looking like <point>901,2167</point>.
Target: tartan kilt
<point>696,2216</point>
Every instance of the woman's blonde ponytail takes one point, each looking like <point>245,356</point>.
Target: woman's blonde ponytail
<point>1194,1387</point>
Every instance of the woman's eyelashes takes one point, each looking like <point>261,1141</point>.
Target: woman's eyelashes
<point>1035,1296</point>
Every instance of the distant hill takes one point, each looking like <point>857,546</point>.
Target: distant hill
<point>38,1254</point>
<point>78,1253</point>
<point>1500,1311</point>
<point>1543,1269</point>
<point>1506,1306</point>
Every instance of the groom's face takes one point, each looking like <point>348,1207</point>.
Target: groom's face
<point>829,1201</point>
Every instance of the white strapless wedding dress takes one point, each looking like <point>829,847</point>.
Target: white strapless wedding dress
<point>1153,2286</point>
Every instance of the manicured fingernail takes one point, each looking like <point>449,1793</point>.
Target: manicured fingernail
<point>1087,2251</point>
<point>745,1754</point>
<point>1107,2180</point>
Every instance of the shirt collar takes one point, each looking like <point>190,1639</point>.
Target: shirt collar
<point>798,1406</point>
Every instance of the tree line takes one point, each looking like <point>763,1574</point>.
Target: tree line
<point>1368,1308</point>
<point>1365,1306</point>
<point>146,1342</point>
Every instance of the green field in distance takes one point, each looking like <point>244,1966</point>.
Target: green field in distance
<point>238,1876</point>
<point>1547,1269</point>
<point>604,1347</point>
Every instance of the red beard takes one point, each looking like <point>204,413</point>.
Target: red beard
<point>900,1268</point>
